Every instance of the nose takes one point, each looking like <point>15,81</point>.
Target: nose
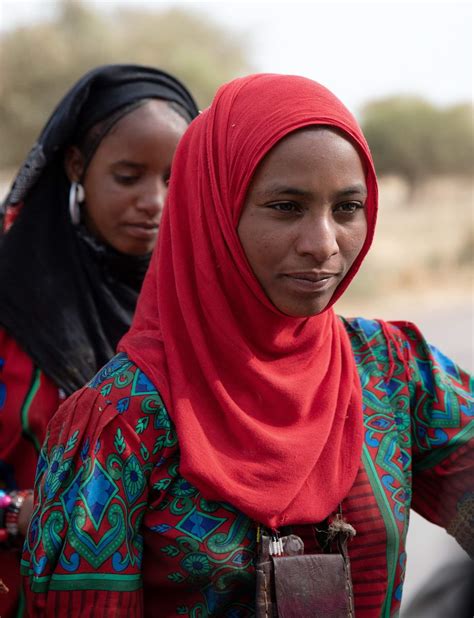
<point>317,238</point>
<point>152,198</point>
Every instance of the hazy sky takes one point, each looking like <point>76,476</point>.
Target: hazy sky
<point>361,50</point>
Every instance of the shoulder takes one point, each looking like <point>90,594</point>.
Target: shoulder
<point>24,386</point>
<point>374,332</point>
<point>379,333</point>
<point>119,373</point>
<point>9,348</point>
<point>16,367</point>
<point>124,386</point>
<point>376,340</point>
<point>400,344</point>
<point>388,347</point>
<point>401,337</point>
<point>119,393</point>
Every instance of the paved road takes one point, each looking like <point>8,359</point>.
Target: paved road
<point>450,329</point>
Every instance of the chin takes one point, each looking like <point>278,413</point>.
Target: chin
<point>303,312</point>
<point>134,250</point>
<point>302,305</point>
<point>141,252</point>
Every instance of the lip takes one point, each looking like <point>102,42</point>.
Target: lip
<point>311,281</point>
<point>143,230</point>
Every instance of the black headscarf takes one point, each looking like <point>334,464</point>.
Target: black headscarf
<point>65,297</point>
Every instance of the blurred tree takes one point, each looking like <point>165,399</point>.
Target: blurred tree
<point>456,136</point>
<point>410,137</point>
<point>40,63</point>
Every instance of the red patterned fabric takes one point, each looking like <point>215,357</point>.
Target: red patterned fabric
<point>28,400</point>
<point>118,531</point>
<point>285,390</point>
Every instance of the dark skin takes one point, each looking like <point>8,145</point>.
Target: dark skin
<point>125,186</point>
<point>303,223</point>
<point>126,181</point>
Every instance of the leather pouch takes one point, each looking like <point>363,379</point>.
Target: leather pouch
<point>313,585</point>
<point>295,585</point>
<point>265,600</point>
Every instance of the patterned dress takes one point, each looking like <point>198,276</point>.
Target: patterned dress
<point>28,400</point>
<point>117,531</point>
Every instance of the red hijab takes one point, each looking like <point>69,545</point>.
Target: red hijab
<point>268,408</point>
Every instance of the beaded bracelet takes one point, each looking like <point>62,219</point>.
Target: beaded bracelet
<point>10,507</point>
<point>13,510</point>
<point>5,501</point>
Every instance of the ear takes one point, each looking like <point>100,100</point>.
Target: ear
<point>74,163</point>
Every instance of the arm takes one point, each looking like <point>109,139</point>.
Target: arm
<point>28,399</point>
<point>83,553</point>
<point>442,413</point>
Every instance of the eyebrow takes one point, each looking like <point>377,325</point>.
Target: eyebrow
<point>125,163</point>
<point>276,190</point>
<point>357,188</point>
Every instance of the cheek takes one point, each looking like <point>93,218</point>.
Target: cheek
<point>354,240</point>
<point>118,201</point>
<point>362,232</point>
<point>260,251</point>
<point>109,204</point>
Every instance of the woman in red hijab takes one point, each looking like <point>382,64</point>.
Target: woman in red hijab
<point>248,452</point>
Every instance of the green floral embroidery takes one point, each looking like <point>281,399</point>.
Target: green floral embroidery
<point>196,564</point>
<point>119,441</point>
<point>133,478</point>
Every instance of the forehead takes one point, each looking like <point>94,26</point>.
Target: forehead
<point>312,150</point>
<point>152,115</point>
<point>312,142</point>
<point>151,131</point>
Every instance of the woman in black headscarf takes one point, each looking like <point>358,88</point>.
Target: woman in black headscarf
<point>79,225</point>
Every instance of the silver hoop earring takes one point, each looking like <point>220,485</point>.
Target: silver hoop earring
<point>76,197</point>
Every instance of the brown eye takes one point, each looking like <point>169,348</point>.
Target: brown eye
<point>348,207</point>
<point>284,207</point>
<point>125,179</point>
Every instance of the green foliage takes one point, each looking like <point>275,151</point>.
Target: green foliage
<point>40,63</point>
<point>410,137</point>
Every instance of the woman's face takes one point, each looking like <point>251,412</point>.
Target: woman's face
<point>303,222</point>
<point>126,181</point>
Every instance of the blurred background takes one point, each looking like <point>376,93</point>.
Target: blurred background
<point>405,71</point>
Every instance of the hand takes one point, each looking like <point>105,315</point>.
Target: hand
<point>3,588</point>
<point>25,514</point>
